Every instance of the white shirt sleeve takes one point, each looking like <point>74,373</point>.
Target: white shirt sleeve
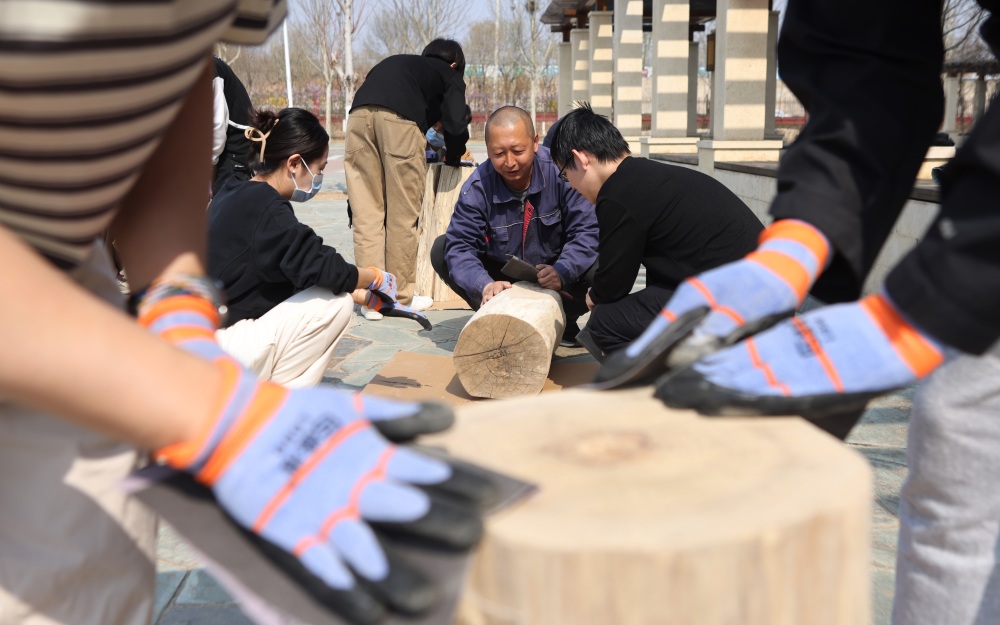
<point>220,119</point>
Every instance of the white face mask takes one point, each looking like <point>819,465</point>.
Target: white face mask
<point>298,195</point>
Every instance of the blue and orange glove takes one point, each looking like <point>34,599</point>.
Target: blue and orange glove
<point>383,286</point>
<point>382,298</point>
<point>724,305</point>
<point>310,473</point>
<point>822,363</point>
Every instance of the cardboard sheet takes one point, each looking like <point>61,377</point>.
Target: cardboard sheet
<point>409,376</point>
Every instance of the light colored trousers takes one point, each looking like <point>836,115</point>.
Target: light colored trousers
<point>949,513</point>
<point>73,549</point>
<point>293,342</point>
<point>386,168</point>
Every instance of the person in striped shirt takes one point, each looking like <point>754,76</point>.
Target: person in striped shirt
<point>105,125</point>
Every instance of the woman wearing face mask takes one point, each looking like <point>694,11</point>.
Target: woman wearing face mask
<point>290,297</point>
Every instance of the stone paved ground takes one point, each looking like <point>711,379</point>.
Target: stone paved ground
<point>188,595</point>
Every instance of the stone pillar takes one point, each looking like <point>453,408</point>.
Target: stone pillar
<point>979,98</point>
<point>771,82</point>
<point>671,56</point>
<point>602,63</point>
<point>565,78</point>
<point>628,70</point>
<point>692,107</point>
<point>738,86</point>
<point>949,124</point>
<point>579,38</point>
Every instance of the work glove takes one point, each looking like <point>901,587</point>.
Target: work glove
<point>310,474</point>
<point>819,364</point>
<point>395,309</point>
<point>383,286</point>
<point>724,305</point>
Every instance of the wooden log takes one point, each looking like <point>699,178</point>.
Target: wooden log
<point>506,348</point>
<point>443,185</point>
<point>647,515</point>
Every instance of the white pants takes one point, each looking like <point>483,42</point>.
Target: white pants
<point>292,344</point>
<point>948,563</point>
<point>73,549</point>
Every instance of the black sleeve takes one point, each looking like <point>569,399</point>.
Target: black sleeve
<point>619,253</point>
<point>285,249</point>
<point>455,119</point>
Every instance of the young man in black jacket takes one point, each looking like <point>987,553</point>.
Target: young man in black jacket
<point>674,221</point>
<point>384,157</point>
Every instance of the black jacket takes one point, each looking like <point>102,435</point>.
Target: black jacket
<point>263,254</point>
<point>675,221</point>
<point>423,90</point>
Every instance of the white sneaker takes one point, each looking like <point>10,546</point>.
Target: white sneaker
<point>369,314</point>
<point>421,302</point>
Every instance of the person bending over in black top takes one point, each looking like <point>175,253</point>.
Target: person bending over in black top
<point>290,296</point>
<point>677,222</point>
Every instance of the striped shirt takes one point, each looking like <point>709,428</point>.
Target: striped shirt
<point>87,88</point>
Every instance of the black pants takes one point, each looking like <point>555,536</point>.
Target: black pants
<point>574,307</point>
<point>873,92</point>
<point>614,325</point>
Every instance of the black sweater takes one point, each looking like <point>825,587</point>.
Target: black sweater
<point>424,90</point>
<point>678,222</point>
<point>263,254</point>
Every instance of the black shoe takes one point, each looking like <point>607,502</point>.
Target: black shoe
<point>585,339</point>
<point>569,337</point>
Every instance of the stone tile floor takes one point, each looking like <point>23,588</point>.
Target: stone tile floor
<point>186,594</point>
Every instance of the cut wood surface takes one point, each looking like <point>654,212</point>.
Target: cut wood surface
<point>506,348</point>
<point>648,515</point>
<point>442,187</point>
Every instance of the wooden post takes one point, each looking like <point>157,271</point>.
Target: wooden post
<point>650,515</point>
<point>506,348</point>
<point>443,185</point>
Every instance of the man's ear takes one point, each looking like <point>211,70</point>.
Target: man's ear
<point>582,159</point>
<point>534,143</point>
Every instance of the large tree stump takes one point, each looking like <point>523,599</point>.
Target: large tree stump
<point>647,515</point>
<point>442,187</point>
<point>506,348</point>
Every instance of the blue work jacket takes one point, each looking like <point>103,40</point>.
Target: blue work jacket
<point>489,219</point>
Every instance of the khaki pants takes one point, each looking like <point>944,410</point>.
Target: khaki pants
<point>385,165</point>
<point>73,549</point>
<point>292,344</point>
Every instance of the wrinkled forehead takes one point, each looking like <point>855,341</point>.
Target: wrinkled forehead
<point>508,134</point>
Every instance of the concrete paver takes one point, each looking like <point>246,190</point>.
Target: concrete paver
<point>186,594</point>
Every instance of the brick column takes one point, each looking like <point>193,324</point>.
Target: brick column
<point>565,78</point>
<point>602,65</point>
<point>628,70</point>
<point>671,80</point>
<point>738,86</point>
<point>579,39</point>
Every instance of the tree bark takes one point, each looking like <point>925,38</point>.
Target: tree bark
<point>506,348</point>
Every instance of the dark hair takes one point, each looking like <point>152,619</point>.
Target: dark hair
<point>583,129</point>
<point>447,50</point>
<point>282,134</point>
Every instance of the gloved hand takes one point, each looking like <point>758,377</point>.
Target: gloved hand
<point>395,309</point>
<point>822,363</point>
<point>383,286</point>
<point>310,474</point>
<point>724,305</point>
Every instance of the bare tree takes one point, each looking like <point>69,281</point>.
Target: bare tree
<point>331,26</point>
<point>961,20</point>
<point>532,54</point>
<point>228,52</point>
<point>406,26</point>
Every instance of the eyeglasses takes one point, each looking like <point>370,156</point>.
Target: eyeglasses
<point>562,175</point>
